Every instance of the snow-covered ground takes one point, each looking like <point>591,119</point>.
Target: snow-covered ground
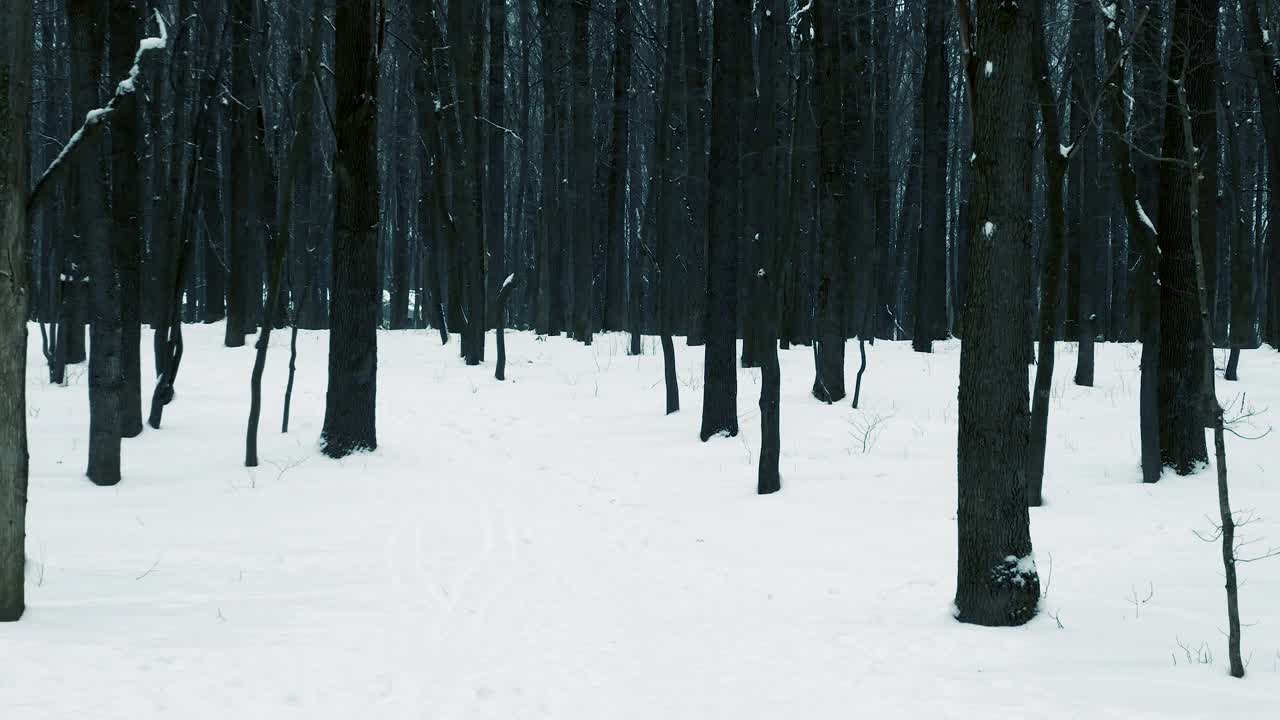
<point>554,546</point>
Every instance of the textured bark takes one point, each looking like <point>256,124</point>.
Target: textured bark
<point>88,21</point>
<point>127,212</point>
<point>828,346</point>
<point>1087,202</point>
<point>583,164</point>
<point>732,42</point>
<point>1051,280</point>
<point>1150,72</point>
<point>355,306</point>
<point>1262,52</point>
<point>468,153</point>
<point>246,167</point>
<point>667,211</point>
<point>614,306</point>
<point>766,297</point>
<point>696,177</point>
<point>16,37</point>
<point>996,579</point>
<point>209,180</point>
<point>549,285</point>
<point>495,196</point>
<point>1182,443</point>
<point>931,256</point>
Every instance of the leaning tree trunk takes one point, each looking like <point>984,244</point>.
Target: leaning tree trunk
<point>997,583</point>
<point>16,37</point>
<point>350,401</point>
<point>720,369</point>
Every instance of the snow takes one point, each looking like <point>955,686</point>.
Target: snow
<point>507,283</point>
<point>988,228</point>
<point>554,546</point>
<point>1065,150</point>
<point>1142,216</point>
<point>988,68</point>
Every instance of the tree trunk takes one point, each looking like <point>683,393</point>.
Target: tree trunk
<point>931,254</point>
<point>1182,444</point>
<point>495,196</point>
<point>1261,50</point>
<point>16,37</point>
<point>829,336</point>
<point>353,342</point>
<point>88,22</point>
<point>583,171</point>
<point>732,42</point>
<point>614,308</point>
<point>127,212</point>
<point>997,583</point>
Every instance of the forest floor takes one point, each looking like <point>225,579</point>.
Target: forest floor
<point>554,546</point>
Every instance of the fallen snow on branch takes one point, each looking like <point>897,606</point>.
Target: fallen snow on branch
<point>95,117</point>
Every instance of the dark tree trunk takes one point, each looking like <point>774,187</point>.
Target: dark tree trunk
<point>468,153</point>
<point>1182,444</point>
<point>127,212</point>
<point>1146,281</point>
<point>246,194</point>
<point>1086,200</point>
<point>583,171</point>
<point>1261,50</point>
<point>16,37</point>
<point>1056,165</point>
<point>696,177</point>
<point>88,21</point>
<point>615,307</point>
<point>931,253</point>
<point>997,582</point>
<point>495,196</point>
<point>828,341</point>
<point>295,148</point>
<point>353,342</point>
<point>732,42</point>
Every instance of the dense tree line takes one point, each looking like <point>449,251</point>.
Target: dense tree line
<point>771,173</point>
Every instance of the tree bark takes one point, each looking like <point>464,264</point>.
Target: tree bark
<point>829,336</point>
<point>614,308</point>
<point>1182,443</point>
<point>127,211</point>
<point>732,42</point>
<point>349,423</point>
<point>931,254</point>
<point>997,583</point>
<point>16,38</point>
